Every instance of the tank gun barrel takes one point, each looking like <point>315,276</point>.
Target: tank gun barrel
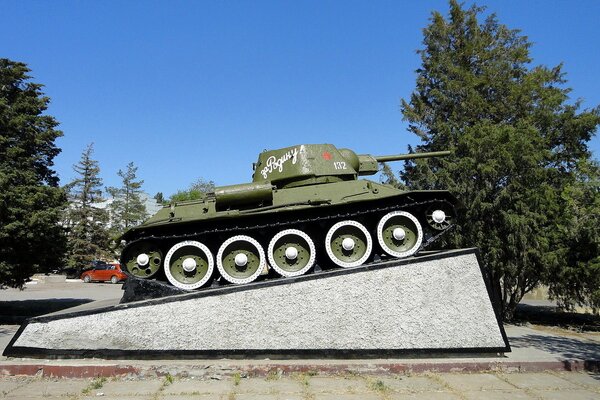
<point>400,157</point>
<point>369,165</point>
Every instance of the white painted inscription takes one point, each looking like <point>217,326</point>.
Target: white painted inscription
<point>339,165</point>
<point>276,164</point>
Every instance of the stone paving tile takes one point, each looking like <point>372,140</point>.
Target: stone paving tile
<point>474,382</point>
<point>346,396</point>
<point>409,383</point>
<point>116,387</point>
<point>423,396</point>
<point>515,394</point>
<point>40,398</point>
<point>571,394</point>
<point>8,385</point>
<point>198,387</point>
<point>273,386</point>
<point>262,396</point>
<point>582,379</point>
<point>541,386</point>
<point>544,381</point>
<point>190,397</point>
<point>50,388</point>
<point>318,384</point>
<point>115,397</point>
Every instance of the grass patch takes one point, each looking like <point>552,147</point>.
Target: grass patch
<point>303,378</point>
<point>378,386</point>
<point>237,378</point>
<point>273,375</point>
<point>169,379</point>
<point>97,383</point>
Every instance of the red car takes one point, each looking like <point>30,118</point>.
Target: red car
<point>104,272</point>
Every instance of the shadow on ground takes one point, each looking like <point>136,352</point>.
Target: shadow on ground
<point>15,312</point>
<point>566,347</point>
<point>552,316</point>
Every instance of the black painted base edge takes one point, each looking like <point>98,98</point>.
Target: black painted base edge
<point>273,354</point>
<point>35,352</point>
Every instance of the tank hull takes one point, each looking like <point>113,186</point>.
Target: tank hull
<point>311,210</point>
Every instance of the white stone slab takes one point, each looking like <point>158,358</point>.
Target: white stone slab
<point>437,303</point>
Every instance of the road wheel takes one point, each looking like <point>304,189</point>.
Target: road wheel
<point>399,234</point>
<point>291,252</point>
<point>114,279</point>
<point>348,244</point>
<point>240,259</point>
<point>189,265</point>
<point>142,259</point>
<point>87,279</point>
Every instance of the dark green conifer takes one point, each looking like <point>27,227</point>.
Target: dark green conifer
<point>517,146</point>
<point>31,238</point>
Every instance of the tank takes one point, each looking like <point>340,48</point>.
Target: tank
<point>305,210</point>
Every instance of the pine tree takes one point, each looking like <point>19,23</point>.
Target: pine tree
<point>516,143</point>
<point>31,238</point>
<point>127,209</point>
<point>86,219</point>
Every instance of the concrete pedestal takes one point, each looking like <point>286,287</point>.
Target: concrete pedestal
<point>430,304</point>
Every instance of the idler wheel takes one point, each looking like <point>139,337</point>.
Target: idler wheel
<point>189,265</point>
<point>291,252</point>
<point>399,234</point>
<point>348,244</point>
<point>142,259</point>
<point>240,259</point>
<point>439,216</point>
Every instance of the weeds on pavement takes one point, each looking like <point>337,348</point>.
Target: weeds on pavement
<point>97,383</point>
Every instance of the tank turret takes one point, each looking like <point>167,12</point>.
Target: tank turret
<point>305,208</point>
<point>309,164</point>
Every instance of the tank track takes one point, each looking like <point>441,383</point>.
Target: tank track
<point>290,223</point>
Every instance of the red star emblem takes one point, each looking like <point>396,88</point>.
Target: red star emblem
<point>326,155</point>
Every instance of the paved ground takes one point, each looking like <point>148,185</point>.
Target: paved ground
<point>568,386</point>
<point>71,288</point>
<point>535,348</point>
<point>38,298</point>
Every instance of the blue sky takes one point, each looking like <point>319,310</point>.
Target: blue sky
<point>189,89</point>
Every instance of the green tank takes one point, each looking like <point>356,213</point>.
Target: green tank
<point>304,210</point>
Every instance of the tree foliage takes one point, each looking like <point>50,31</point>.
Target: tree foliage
<point>85,218</point>
<point>127,208</point>
<point>518,146</point>
<point>31,239</point>
<point>577,280</point>
<point>159,197</point>
<point>388,177</point>
<point>196,191</point>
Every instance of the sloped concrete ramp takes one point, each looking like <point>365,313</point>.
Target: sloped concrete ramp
<point>432,304</point>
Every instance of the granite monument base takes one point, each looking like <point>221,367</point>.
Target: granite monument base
<point>426,305</point>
